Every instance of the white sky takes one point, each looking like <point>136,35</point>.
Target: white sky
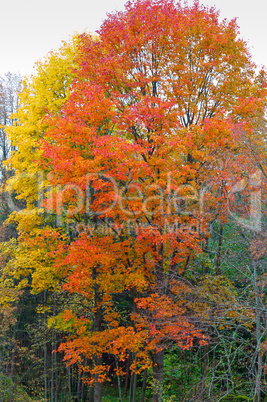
<point>29,29</point>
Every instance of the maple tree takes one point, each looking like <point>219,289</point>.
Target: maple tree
<point>151,119</point>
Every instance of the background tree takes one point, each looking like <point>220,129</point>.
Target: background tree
<point>33,361</point>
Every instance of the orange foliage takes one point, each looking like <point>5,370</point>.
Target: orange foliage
<point>152,118</point>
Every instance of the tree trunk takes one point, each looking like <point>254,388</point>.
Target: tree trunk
<point>258,365</point>
<point>158,376</point>
<point>97,327</point>
<point>119,379</point>
<point>127,376</point>
<point>98,392</point>
<point>98,385</point>
<point>134,387</point>
<point>133,383</point>
<point>91,394</point>
<point>144,386</point>
<point>219,251</point>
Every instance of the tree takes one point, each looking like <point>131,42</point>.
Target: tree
<point>9,91</point>
<point>150,122</point>
<point>23,265</point>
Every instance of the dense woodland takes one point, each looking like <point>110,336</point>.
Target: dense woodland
<point>133,238</point>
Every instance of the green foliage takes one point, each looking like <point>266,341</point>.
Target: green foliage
<point>11,392</point>
<point>232,398</point>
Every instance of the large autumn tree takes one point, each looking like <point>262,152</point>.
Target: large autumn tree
<point>153,117</point>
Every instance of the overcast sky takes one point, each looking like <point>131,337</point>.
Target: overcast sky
<point>29,29</point>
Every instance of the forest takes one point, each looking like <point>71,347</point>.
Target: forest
<point>133,202</point>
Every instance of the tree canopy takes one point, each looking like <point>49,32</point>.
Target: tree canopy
<point>127,146</point>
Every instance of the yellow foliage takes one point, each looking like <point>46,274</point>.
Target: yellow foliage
<point>220,304</point>
<point>43,94</point>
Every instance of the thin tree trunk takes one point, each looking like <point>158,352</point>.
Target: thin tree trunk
<point>53,357</point>
<point>91,394</point>
<point>131,388</point>
<point>119,380</point>
<point>97,327</point>
<point>98,385</point>
<point>84,390</point>
<point>219,252</point>
<point>45,359</point>
<point>134,387</point>
<point>78,385</point>
<point>127,376</point>
<point>69,381</point>
<point>144,386</point>
<point>133,383</point>
<point>158,376</point>
<point>257,395</point>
